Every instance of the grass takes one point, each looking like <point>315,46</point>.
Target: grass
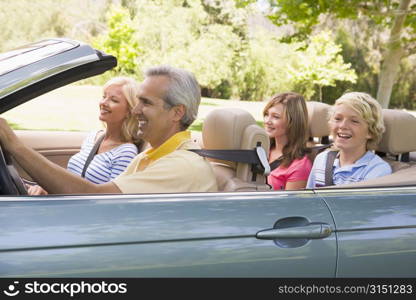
<point>205,102</point>
<point>70,108</point>
<point>75,108</point>
<point>196,126</point>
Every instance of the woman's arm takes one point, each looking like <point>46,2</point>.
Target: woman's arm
<point>295,185</point>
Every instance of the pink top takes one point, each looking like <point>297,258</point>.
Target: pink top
<point>298,170</point>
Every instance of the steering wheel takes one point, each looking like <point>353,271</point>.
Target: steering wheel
<point>10,181</point>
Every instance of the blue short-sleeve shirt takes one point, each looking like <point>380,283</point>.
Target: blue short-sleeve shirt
<point>367,167</point>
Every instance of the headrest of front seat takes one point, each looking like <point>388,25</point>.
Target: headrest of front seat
<point>318,113</point>
<point>400,134</point>
<point>233,128</point>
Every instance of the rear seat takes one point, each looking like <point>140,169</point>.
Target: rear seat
<point>318,114</point>
<point>234,128</point>
<point>397,142</point>
<point>196,137</point>
<point>399,139</point>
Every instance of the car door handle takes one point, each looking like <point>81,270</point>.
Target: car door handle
<point>310,231</point>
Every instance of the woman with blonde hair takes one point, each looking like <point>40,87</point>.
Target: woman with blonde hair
<point>286,123</point>
<point>106,153</point>
<point>356,126</point>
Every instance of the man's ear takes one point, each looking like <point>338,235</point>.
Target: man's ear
<point>179,111</point>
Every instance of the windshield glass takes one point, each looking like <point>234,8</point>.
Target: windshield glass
<point>31,53</point>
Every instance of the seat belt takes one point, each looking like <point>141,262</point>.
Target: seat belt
<point>276,163</point>
<point>256,157</point>
<point>329,168</point>
<point>320,147</point>
<point>92,154</point>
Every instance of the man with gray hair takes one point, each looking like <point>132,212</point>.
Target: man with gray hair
<point>168,104</point>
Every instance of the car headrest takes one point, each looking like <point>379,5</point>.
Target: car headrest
<point>224,128</point>
<point>318,113</point>
<point>233,128</point>
<point>400,134</point>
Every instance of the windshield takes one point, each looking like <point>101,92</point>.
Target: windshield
<point>31,53</point>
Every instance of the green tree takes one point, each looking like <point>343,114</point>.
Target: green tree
<point>395,17</point>
<point>320,65</point>
<point>263,69</point>
<point>76,19</point>
<point>21,25</point>
<point>225,13</point>
<point>120,41</point>
<point>184,35</point>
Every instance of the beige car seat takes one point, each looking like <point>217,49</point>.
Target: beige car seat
<point>399,139</point>
<point>234,128</point>
<point>318,114</point>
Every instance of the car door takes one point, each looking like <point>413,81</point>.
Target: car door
<point>376,231</point>
<point>56,146</point>
<point>168,235</point>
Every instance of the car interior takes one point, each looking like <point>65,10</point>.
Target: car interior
<point>235,128</point>
<point>396,147</point>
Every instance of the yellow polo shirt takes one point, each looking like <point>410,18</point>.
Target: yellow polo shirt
<point>169,168</point>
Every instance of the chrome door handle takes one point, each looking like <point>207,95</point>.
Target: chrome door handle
<point>311,231</point>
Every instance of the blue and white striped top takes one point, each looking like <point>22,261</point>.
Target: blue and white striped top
<point>105,166</point>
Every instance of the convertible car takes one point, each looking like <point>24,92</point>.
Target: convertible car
<point>366,229</point>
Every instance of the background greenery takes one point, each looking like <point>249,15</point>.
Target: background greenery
<point>384,29</point>
<point>234,50</point>
<point>75,108</point>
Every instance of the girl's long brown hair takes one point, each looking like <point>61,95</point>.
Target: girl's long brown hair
<point>296,115</point>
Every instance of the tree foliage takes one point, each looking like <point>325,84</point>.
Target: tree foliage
<point>304,14</point>
<point>26,21</point>
<point>211,38</point>
<point>187,36</point>
<point>120,41</point>
<point>54,23</point>
<point>320,65</point>
<point>396,17</point>
<point>234,52</point>
<point>263,69</point>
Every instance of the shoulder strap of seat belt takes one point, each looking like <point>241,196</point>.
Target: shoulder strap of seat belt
<point>319,148</point>
<point>92,153</point>
<point>276,163</point>
<point>329,169</point>
<point>256,157</point>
